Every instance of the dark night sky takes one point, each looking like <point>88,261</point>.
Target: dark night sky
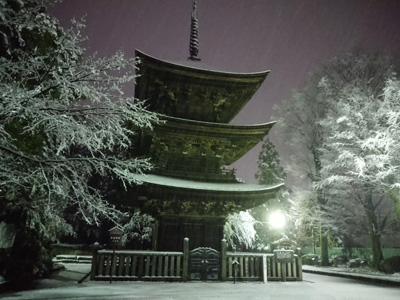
<point>288,37</point>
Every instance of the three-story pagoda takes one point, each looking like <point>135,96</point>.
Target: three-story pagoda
<point>191,191</point>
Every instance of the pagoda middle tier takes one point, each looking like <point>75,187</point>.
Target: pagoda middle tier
<point>199,150</point>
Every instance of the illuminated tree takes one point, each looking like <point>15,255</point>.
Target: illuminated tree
<point>303,125</point>
<point>299,127</point>
<point>360,153</point>
<point>239,228</point>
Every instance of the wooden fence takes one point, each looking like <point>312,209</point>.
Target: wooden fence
<point>137,265</point>
<point>174,266</point>
<point>291,271</point>
<point>260,267</point>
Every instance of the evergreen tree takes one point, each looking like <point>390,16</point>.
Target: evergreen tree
<point>251,227</point>
<point>270,172</point>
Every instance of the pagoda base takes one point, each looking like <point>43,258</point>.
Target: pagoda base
<point>202,231</point>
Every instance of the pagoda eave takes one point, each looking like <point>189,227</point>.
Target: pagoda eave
<point>206,128</point>
<point>200,196</point>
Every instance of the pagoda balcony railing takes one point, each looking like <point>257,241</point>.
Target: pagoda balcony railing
<point>199,174</point>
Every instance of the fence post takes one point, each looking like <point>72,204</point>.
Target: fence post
<point>185,266</point>
<point>265,268</point>
<point>223,260</point>
<point>300,267</point>
<point>95,263</point>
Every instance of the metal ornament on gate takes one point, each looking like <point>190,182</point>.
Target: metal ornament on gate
<point>204,264</point>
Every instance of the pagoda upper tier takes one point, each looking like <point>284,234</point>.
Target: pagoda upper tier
<point>188,92</point>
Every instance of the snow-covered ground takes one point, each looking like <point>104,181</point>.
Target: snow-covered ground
<point>362,272</point>
<point>64,285</point>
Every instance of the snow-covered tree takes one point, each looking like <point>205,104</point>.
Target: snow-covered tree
<point>298,126</point>
<point>249,227</point>
<point>390,136</point>
<point>302,127</point>
<point>239,228</point>
<point>270,170</point>
<point>306,213</point>
<point>360,166</point>
<point>137,230</point>
<point>64,118</point>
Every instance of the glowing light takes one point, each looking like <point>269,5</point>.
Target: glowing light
<point>277,220</point>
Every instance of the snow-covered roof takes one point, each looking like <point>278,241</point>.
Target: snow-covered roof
<point>217,125</point>
<point>205,186</point>
<point>199,66</point>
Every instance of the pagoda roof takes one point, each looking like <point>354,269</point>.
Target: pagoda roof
<point>205,195</point>
<point>197,67</point>
<point>194,91</point>
<point>205,186</point>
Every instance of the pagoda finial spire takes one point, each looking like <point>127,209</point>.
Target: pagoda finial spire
<point>194,32</point>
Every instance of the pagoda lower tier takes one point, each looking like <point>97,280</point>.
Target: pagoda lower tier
<point>193,209</point>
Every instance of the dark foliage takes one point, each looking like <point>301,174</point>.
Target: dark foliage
<point>392,264</point>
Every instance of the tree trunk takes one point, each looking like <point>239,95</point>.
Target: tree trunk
<point>313,241</point>
<point>395,196</point>
<point>322,203</point>
<point>324,249</point>
<point>376,251</point>
<point>374,232</point>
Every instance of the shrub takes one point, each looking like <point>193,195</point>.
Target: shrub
<point>336,260</point>
<point>310,259</point>
<point>357,263</point>
<point>28,259</point>
<point>392,264</point>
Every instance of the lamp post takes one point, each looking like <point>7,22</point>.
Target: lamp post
<point>278,220</point>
